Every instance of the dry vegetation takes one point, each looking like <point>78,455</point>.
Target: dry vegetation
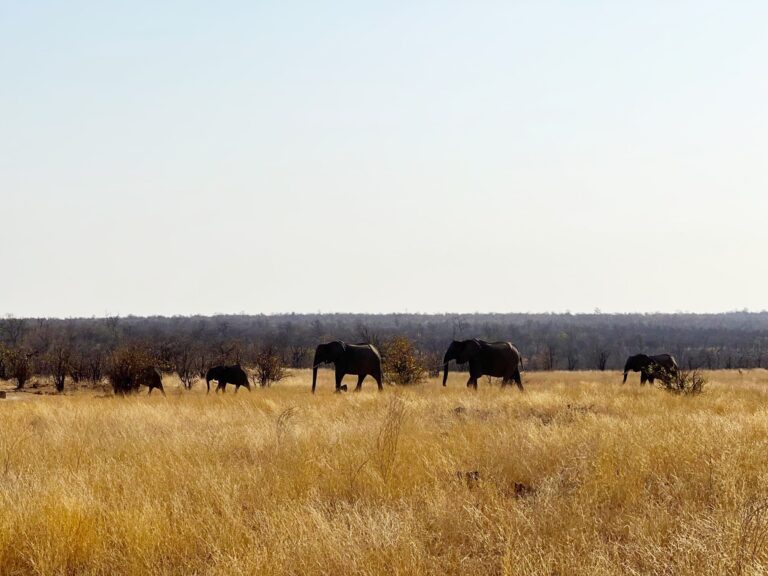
<point>578,475</point>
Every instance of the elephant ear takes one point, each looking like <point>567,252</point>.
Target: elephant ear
<point>468,351</point>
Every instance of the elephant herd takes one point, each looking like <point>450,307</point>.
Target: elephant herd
<point>495,359</point>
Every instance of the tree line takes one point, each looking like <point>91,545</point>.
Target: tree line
<point>81,348</point>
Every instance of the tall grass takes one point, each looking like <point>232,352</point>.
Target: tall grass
<point>578,475</point>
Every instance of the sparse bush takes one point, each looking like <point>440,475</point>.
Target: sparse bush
<point>689,382</point>
<point>269,366</point>
<point>182,362</point>
<point>433,362</point>
<point>403,363</point>
<point>126,366</point>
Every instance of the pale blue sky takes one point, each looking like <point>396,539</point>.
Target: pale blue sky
<point>203,157</point>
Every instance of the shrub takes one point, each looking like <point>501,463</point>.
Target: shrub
<point>689,382</point>
<point>126,366</point>
<point>269,366</point>
<point>403,362</point>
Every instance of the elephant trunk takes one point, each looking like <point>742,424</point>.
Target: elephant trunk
<point>315,364</point>
<point>445,369</point>
<point>626,372</point>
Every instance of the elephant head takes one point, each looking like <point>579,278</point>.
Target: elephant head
<point>461,351</point>
<point>636,363</point>
<point>324,354</point>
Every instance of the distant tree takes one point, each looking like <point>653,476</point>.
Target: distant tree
<point>601,356</point>
<point>181,359</point>
<point>572,359</point>
<point>202,362</point>
<point>18,362</point>
<point>58,364</point>
<point>365,334</point>
<point>3,366</point>
<point>95,365</point>
<point>297,354</point>
<point>549,356</point>
<point>12,330</point>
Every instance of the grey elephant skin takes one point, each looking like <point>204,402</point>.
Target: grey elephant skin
<point>497,359</point>
<point>359,359</point>
<point>224,375</point>
<point>661,366</point>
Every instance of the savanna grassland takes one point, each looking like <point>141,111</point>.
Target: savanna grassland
<point>578,475</point>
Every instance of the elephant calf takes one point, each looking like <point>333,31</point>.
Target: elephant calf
<point>224,375</point>
<point>662,366</point>
<point>497,359</point>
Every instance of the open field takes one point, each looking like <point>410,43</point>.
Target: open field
<point>578,475</point>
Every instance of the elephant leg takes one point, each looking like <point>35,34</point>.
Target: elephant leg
<point>472,382</point>
<point>339,378</point>
<point>360,379</point>
<point>505,381</point>
<point>518,380</point>
<point>643,378</point>
<point>651,379</point>
<point>377,377</point>
<point>150,391</point>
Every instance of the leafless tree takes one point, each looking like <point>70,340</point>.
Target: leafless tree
<point>601,358</point>
<point>297,354</point>
<point>182,362</point>
<point>19,365</point>
<point>368,336</point>
<point>269,366</point>
<point>57,361</point>
<point>549,356</point>
<point>572,359</point>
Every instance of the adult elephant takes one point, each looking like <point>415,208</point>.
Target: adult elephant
<point>359,359</point>
<point>151,378</point>
<point>227,375</point>
<point>498,359</point>
<point>661,366</point>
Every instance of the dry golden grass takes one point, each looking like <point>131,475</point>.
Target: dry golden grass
<point>578,475</point>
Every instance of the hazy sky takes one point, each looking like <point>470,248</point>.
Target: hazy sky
<point>203,157</point>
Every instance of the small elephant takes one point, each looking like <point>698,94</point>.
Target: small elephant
<point>227,375</point>
<point>498,359</point>
<point>151,378</point>
<point>661,366</point>
<point>359,359</point>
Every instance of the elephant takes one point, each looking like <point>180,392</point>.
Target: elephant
<point>499,359</point>
<point>151,378</point>
<point>359,359</point>
<point>227,375</point>
<point>661,366</point>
